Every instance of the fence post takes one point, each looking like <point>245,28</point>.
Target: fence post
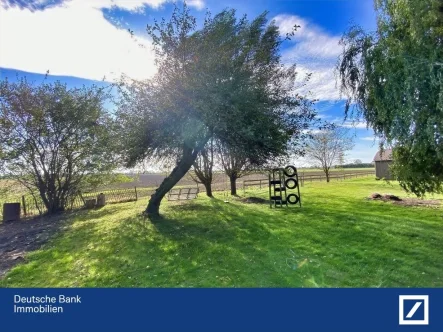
<point>24,205</point>
<point>81,197</point>
<point>136,196</point>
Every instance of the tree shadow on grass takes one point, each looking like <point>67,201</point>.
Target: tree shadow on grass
<point>190,207</point>
<point>88,215</point>
<point>20,238</point>
<point>344,247</point>
<point>200,246</point>
<point>173,252</point>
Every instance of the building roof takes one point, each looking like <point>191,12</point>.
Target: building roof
<point>385,156</point>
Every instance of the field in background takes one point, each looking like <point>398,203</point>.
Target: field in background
<point>337,239</point>
<point>221,180</point>
<point>155,179</point>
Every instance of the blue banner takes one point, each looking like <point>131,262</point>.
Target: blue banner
<point>221,309</point>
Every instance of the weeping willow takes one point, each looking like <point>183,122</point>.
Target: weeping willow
<point>393,78</point>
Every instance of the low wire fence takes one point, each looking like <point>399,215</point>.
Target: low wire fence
<point>31,206</point>
<point>263,183</point>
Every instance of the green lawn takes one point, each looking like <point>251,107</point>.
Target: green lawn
<point>338,239</point>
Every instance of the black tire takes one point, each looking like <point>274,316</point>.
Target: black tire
<point>289,181</point>
<point>290,171</point>
<point>288,199</point>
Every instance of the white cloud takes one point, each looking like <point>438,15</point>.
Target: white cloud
<point>75,39</point>
<point>135,5</point>
<point>199,4</point>
<point>369,138</point>
<point>131,5</point>
<point>311,39</point>
<point>322,82</point>
<point>312,131</point>
<point>357,125</point>
<point>315,51</point>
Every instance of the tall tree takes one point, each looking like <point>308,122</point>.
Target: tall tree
<point>224,81</point>
<point>393,78</point>
<point>326,148</point>
<point>54,139</point>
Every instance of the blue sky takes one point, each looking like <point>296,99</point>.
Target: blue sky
<point>86,41</point>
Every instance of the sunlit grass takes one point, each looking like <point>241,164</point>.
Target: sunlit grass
<point>337,239</point>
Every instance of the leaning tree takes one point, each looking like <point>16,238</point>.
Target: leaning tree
<point>394,79</point>
<point>224,81</point>
<point>54,139</point>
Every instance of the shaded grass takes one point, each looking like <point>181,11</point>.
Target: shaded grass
<point>338,239</point>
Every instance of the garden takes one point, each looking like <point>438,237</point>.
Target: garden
<point>339,238</point>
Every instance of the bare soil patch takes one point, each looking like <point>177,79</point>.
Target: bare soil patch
<point>17,238</point>
<point>254,200</point>
<point>436,203</point>
<point>420,202</point>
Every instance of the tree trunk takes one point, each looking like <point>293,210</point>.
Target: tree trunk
<point>51,201</point>
<point>232,179</point>
<point>208,188</point>
<point>203,168</point>
<point>327,175</point>
<point>170,181</point>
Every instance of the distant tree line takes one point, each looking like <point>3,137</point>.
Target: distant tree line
<point>361,165</point>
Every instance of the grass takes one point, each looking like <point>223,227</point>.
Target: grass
<point>338,239</point>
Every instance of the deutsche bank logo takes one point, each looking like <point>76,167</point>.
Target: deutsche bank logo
<point>414,309</point>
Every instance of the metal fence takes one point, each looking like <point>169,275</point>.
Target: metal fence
<point>263,183</point>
